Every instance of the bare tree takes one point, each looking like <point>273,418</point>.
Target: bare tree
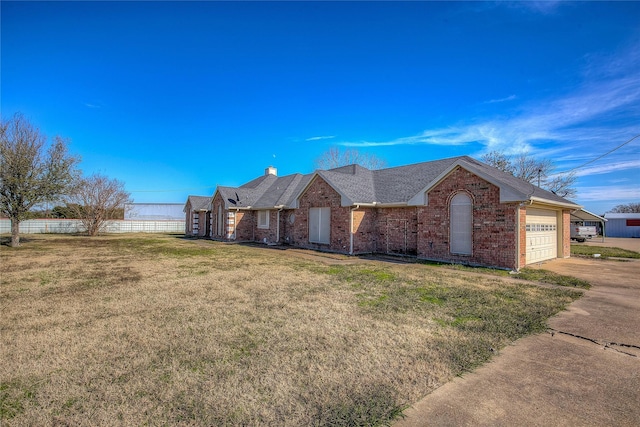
<point>532,170</point>
<point>334,158</point>
<point>562,185</point>
<point>628,208</point>
<point>499,160</point>
<point>30,174</point>
<point>96,200</point>
<point>536,171</point>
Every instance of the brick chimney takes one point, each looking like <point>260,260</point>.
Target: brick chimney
<point>271,171</point>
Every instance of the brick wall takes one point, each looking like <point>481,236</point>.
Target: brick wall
<point>493,224</point>
<point>244,224</point>
<point>287,222</point>
<point>202,221</point>
<point>397,230</point>
<point>237,225</point>
<point>566,234</point>
<point>522,245</point>
<point>321,194</point>
<point>366,236</point>
<point>270,234</point>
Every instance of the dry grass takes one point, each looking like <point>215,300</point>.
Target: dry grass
<point>604,251</point>
<point>159,330</point>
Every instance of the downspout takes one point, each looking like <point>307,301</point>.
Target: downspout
<point>280,209</point>
<point>518,238</point>
<point>519,217</point>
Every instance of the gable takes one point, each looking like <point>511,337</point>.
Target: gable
<point>512,189</point>
<point>320,189</point>
<point>460,181</point>
<point>422,198</point>
<point>198,203</point>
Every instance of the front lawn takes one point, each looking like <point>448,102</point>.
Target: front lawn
<point>605,252</point>
<point>161,330</point>
<point>526,273</point>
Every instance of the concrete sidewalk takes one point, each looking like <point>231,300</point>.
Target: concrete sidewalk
<point>587,373</point>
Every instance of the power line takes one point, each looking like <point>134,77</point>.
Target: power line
<point>605,154</point>
<point>170,191</point>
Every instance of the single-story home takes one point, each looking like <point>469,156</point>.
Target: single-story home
<point>623,224</point>
<point>197,218</point>
<point>455,210</point>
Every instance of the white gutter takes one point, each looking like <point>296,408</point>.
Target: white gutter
<point>381,205</point>
<point>553,203</point>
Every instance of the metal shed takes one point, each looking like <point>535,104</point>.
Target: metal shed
<point>623,224</point>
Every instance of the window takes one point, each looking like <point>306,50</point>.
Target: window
<point>196,223</point>
<point>219,221</point>
<point>263,219</point>
<point>319,225</point>
<point>461,224</point>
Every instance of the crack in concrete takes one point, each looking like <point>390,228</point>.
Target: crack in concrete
<point>604,344</point>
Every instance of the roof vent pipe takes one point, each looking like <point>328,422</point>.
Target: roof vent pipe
<point>271,171</point>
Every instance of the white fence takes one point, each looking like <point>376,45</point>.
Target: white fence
<point>36,226</point>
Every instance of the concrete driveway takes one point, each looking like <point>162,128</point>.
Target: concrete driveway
<point>584,372</point>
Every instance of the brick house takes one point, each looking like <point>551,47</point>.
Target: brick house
<point>453,210</point>
<point>197,216</point>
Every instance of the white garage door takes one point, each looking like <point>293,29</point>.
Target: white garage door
<point>542,235</point>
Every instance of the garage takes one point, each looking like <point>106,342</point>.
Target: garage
<point>542,235</point>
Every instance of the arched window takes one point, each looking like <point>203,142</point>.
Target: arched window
<point>460,225</point>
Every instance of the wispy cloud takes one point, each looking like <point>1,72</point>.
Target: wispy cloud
<point>544,6</point>
<point>449,136</point>
<point>495,101</point>
<point>90,105</point>
<point>605,109</point>
<point>319,138</point>
<point>603,193</point>
<point>609,167</point>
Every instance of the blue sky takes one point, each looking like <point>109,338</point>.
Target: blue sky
<point>176,98</point>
